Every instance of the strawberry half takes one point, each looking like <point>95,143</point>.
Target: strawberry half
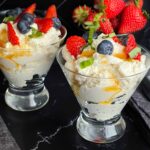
<point>80,14</point>
<point>132,20</point>
<point>29,10</point>
<point>74,45</point>
<point>44,24</point>
<point>12,37</point>
<point>51,12</point>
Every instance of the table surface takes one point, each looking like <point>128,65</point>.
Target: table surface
<point>54,126</point>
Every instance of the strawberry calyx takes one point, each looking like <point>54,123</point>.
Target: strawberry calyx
<point>146,14</point>
<point>137,3</point>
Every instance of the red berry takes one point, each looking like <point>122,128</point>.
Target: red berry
<point>116,39</point>
<point>115,22</point>
<point>132,20</point>
<point>105,26</point>
<point>51,12</point>
<point>74,45</point>
<point>12,37</point>
<point>137,3</point>
<point>130,44</point>
<point>44,24</point>
<point>138,57</point>
<point>91,16</point>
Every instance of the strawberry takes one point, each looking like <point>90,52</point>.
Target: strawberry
<point>80,14</point>
<point>130,43</point>
<point>138,57</point>
<point>29,10</point>
<point>12,37</point>
<point>132,19</point>
<point>51,12</point>
<point>105,25</point>
<point>44,24</point>
<point>74,45</point>
<point>116,39</point>
<point>137,3</point>
<point>111,8</point>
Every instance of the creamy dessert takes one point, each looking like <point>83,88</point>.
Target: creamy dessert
<point>104,74</point>
<point>28,44</point>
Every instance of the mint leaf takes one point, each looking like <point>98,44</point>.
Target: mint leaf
<point>9,18</point>
<point>134,52</point>
<point>35,33</point>
<point>86,63</point>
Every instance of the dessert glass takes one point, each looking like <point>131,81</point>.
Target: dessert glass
<point>100,119</point>
<point>25,70</point>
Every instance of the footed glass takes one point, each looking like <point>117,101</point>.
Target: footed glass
<point>25,70</point>
<point>100,119</point>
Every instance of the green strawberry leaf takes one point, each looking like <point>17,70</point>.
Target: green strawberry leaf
<point>146,14</point>
<point>134,52</point>
<point>35,33</point>
<point>9,18</point>
<point>86,63</point>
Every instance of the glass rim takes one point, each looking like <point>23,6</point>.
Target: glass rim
<point>58,59</point>
<point>62,36</point>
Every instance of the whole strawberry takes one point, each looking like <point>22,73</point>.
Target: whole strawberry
<point>80,14</point>
<point>111,8</point>
<point>137,3</point>
<point>132,19</point>
<point>75,44</point>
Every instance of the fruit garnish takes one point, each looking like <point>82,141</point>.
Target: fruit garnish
<point>86,35</point>
<point>87,53</point>
<point>132,20</point>
<point>86,63</point>
<point>80,14</point>
<point>57,23</point>
<point>29,10</point>
<point>28,17</point>
<point>12,37</point>
<point>44,24</point>
<point>9,18</point>
<point>51,12</point>
<point>134,52</point>
<point>137,3</point>
<point>138,57</point>
<point>35,33</point>
<point>130,43</point>
<point>115,22</point>
<point>105,47</point>
<point>75,44</point>
<point>111,8</point>
<point>105,25</point>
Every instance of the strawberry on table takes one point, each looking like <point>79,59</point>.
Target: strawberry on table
<point>80,14</point>
<point>75,44</point>
<point>132,19</point>
<point>12,37</point>
<point>44,24</point>
<point>51,12</point>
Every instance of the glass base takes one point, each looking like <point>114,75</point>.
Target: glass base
<point>100,132</point>
<point>26,99</point>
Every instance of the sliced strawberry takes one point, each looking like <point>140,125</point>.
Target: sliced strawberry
<point>51,12</point>
<point>29,10</point>
<point>138,57</point>
<point>44,24</point>
<point>74,45</point>
<point>12,37</point>
<point>130,43</point>
<point>105,25</point>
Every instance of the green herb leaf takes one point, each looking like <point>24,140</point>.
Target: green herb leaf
<point>134,52</point>
<point>86,63</point>
<point>35,33</point>
<point>9,18</point>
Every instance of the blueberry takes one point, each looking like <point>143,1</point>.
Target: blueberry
<point>86,35</point>
<point>105,47</point>
<point>123,39</point>
<point>28,17</point>
<point>57,23</point>
<point>14,12</point>
<point>23,26</point>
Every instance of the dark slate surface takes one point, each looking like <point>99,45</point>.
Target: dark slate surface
<point>53,127</point>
